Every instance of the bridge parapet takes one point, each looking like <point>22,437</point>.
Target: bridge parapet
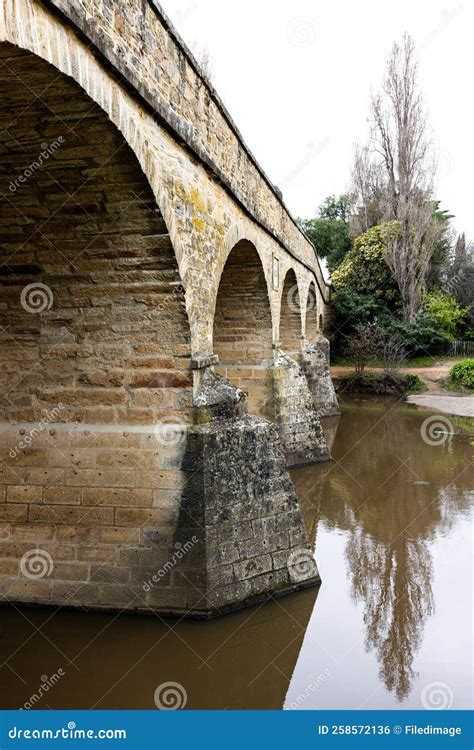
<point>140,44</point>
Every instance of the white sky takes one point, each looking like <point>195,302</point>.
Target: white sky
<point>296,75</point>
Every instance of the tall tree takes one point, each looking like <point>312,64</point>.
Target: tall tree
<point>404,169</point>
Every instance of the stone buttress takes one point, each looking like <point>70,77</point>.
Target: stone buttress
<point>297,420</point>
<point>240,502</point>
<point>315,365</point>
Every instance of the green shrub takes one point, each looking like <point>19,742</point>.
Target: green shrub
<point>463,373</point>
<point>414,383</point>
<point>419,337</point>
<point>364,268</point>
<point>444,313</point>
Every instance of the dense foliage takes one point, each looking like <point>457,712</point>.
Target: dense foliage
<point>442,310</point>
<point>463,373</point>
<point>365,291</point>
<point>364,269</point>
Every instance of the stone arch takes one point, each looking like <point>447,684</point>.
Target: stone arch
<point>312,309</point>
<point>242,327</point>
<point>290,315</point>
<point>239,232</point>
<point>86,241</point>
<point>32,28</point>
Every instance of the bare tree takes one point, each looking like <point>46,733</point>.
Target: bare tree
<point>364,345</point>
<point>392,177</point>
<point>399,139</point>
<point>365,192</point>
<point>392,351</point>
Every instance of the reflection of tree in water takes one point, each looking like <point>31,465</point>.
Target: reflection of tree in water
<point>395,585</point>
<point>392,495</point>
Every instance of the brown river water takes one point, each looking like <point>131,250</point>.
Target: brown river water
<point>390,626</point>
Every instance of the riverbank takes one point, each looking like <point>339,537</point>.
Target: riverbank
<point>432,377</point>
<point>436,398</point>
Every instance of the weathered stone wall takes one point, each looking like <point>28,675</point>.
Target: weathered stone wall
<point>254,538</point>
<point>297,421</point>
<point>315,365</point>
<point>101,502</point>
<point>92,314</point>
<point>109,345</point>
<point>313,310</point>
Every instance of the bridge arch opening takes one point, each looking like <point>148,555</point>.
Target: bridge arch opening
<point>94,346</point>
<point>94,313</point>
<point>312,313</point>
<point>242,334</point>
<point>290,315</point>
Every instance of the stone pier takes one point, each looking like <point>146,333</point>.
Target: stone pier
<point>315,365</point>
<point>297,419</point>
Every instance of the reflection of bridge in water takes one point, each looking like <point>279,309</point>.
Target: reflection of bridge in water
<point>242,661</point>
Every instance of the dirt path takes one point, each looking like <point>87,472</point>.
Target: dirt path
<point>431,376</point>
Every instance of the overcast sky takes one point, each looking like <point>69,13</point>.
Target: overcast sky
<point>296,77</point>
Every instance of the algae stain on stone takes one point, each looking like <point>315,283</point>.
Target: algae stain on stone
<point>199,225</point>
<point>197,200</point>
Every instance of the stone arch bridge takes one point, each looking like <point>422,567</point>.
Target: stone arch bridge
<point>161,324</point>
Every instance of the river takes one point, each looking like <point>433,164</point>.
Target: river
<point>390,627</point>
